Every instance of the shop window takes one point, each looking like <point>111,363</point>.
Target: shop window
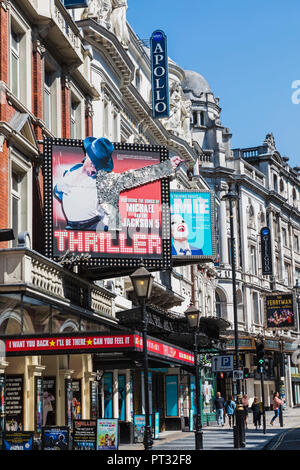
<point>108,394</point>
<point>172,396</point>
<point>256,308</point>
<point>49,401</point>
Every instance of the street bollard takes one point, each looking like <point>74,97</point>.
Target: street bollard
<point>239,428</point>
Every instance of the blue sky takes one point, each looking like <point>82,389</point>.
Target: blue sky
<point>248,51</point>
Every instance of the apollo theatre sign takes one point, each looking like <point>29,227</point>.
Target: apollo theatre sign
<point>159,72</point>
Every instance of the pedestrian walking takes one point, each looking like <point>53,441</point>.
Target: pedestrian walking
<point>245,403</point>
<point>219,403</point>
<point>276,406</point>
<point>255,407</point>
<point>230,407</point>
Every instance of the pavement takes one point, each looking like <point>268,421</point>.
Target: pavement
<point>221,438</point>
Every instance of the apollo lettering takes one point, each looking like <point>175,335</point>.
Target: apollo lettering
<point>159,65</point>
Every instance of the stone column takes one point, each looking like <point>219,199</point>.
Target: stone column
<point>33,370</point>
<point>223,237</point>
<point>128,416</point>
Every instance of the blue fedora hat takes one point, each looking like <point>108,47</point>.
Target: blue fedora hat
<point>100,152</point>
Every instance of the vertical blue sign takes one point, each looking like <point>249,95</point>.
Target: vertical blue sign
<point>159,74</point>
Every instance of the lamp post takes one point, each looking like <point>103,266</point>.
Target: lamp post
<point>6,234</point>
<point>239,429</point>
<point>142,282</point>
<point>193,317</point>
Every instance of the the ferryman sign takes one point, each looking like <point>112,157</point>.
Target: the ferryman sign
<point>159,72</point>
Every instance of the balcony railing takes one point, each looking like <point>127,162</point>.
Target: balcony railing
<point>23,269</point>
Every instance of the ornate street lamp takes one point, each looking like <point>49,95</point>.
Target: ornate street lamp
<point>193,318</point>
<point>142,282</point>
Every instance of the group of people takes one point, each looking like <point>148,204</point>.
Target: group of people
<point>223,408</point>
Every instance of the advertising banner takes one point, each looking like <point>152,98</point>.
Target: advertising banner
<point>159,73</point>
<point>14,403</point>
<point>107,434</point>
<point>111,217</point>
<point>55,438</point>
<point>192,226</point>
<point>280,311</point>
<point>2,403</point>
<point>84,434</point>
<point>139,428</point>
<point>76,343</point>
<point>76,401</point>
<point>68,402</point>
<point>18,440</point>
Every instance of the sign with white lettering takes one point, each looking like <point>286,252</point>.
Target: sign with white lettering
<point>222,363</point>
<point>192,221</point>
<point>107,218</point>
<point>160,78</point>
<point>266,251</point>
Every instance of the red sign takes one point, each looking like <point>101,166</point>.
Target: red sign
<point>92,343</point>
<point>162,349</point>
<point>67,343</point>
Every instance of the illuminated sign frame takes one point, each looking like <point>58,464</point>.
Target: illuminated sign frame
<point>192,195</point>
<point>110,260</point>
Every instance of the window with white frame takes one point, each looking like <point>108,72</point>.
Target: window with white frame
<point>253,260</point>
<point>50,109</point>
<point>76,118</point>
<point>18,201</point>
<point>296,243</point>
<point>15,61</point>
<point>256,308</point>
<point>19,60</point>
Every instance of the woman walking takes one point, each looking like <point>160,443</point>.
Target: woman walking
<point>230,409</point>
<point>256,412</point>
<point>276,406</point>
<point>245,403</point>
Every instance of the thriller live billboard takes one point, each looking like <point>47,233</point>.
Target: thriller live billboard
<point>107,218</point>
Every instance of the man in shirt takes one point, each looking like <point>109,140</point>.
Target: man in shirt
<point>219,403</point>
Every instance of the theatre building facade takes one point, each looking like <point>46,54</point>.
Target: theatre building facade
<point>70,339</point>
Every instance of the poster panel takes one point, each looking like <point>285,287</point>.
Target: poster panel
<point>49,401</point>
<point>84,434</point>
<point>121,392</point>
<point>14,402</point>
<point>94,400</point>
<point>2,403</point>
<point>38,404</point>
<point>107,434</point>
<point>107,218</point>
<point>172,395</point>
<point>192,226</point>
<point>18,440</point>
<point>280,311</point>
<point>55,438</point>
<point>139,423</point>
<point>69,402</point>
<point>76,401</point>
